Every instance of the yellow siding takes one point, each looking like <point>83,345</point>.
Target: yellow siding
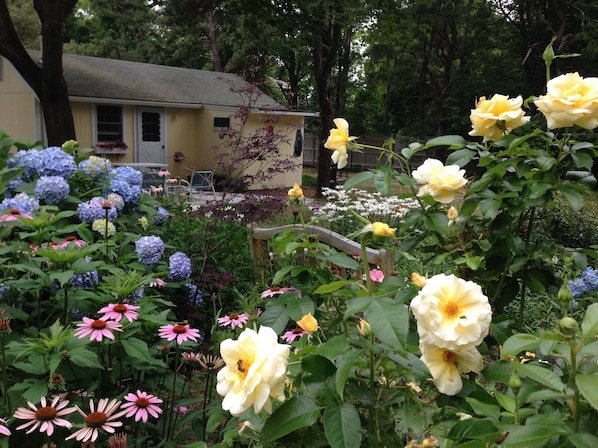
<point>18,106</point>
<point>181,136</point>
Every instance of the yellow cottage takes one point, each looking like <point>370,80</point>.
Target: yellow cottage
<point>137,113</point>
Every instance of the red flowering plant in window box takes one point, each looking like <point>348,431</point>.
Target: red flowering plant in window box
<point>108,145</point>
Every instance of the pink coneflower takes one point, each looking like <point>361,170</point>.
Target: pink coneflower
<point>3,428</point>
<point>157,283</point>
<point>98,329</point>
<point>44,417</point>
<point>181,410</point>
<point>163,173</point>
<point>191,357</point>
<point>118,441</point>
<point>179,332</point>
<point>13,215</point>
<point>118,311</point>
<point>234,320</point>
<point>376,275</point>
<point>211,362</point>
<point>142,405</point>
<point>290,336</point>
<point>274,291</point>
<point>102,418</point>
<point>71,239</point>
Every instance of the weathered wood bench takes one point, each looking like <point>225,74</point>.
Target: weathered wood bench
<point>259,244</point>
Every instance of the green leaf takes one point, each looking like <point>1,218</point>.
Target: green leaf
<point>588,386</point>
<point>583,440</point>
<point>446,140</point>
<point>342,425</point>
<point>344,366</point>
<point>437,221</point>
<point>82,357</point>
<point>275,317</point>
<point>507,403</point>
<point>478,429</point>
<point>484,409</point>
<point>299,412</point>
<point>389,321</point>
<point>582,160</point>
<point>344,261</point>
<point>541,375</point>
<point>573,197</point>
<point>532,435</point>
<point>358,179</point>
<point>520,342</point>
<point>336,346</point>
<point>332,286</point>
<point>138,350</point>
<point>317,368</point>
<point>461,157</point>
<point>589,324</point>
<point>357,305</point>
<point>297,308</point>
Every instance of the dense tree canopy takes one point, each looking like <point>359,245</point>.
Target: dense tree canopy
<point>412,67</point>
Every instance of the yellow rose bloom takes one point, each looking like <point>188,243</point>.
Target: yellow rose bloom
<point>570,100</point>
<point>296,192</point>
<point>382,229</point>
<point>451,313</point>
<point>441,182</point>
<point>446,366</point>
<point>255,370</point>
<point>338,141</point>
<point>496,117</point>
<point>418,280</point>
<point>308,323</point>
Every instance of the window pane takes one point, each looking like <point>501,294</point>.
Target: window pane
<point>150,126</point>
<point>221,122</point>
<point>109,123</point>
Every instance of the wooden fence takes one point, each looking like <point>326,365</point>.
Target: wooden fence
<point>358,161</point>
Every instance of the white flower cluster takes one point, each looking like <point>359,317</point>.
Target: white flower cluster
<point>341,205</point>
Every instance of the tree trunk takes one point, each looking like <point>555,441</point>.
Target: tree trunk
<point>56,106</point>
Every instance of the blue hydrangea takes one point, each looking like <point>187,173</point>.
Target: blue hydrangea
<point>130,175</point>
<point>86,280</point>
<point>52,189</point>
<point>25,158</point>
<point>586,283</point>
<point>117,199</point>
<point>129,193</point>
<point>149,249</point>
<point>161,216</point>
<point>137,294</point>
<point>95,167</point>
<point>21,202</point>
<point>53,161</point>
<point>13,185</point>
<point>195,295</point>
<point>179,267</point>
<point>93,210</point>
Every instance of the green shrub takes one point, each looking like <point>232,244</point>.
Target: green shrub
<point>569,227</point>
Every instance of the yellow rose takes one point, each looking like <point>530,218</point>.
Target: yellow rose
<point>382,229</point>
<point>446,366</point>
<point>570,100</point>
<point>296,192</point>
<point>441,182</point>
<point>452,214</point>
<point>451,313</point>
<point>255,370</point>
<point>308,323</point>
<point>496,117</point>
<point>418,280</point>
<point>338,141</point>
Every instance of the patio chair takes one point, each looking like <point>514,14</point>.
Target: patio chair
<point>151,180</point>
<point>202,181</point>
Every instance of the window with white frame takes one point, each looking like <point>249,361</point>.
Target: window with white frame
<point>109,126</point>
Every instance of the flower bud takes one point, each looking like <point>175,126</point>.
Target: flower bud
<point>365,329</point>
<point>452,214</point>
<point>568,327</point>
<point>565,295</point>
<point>418,280</point>
<point>515,383</point>
<point>382,229</point>
<point>308,323</point>
<point>296,192</point>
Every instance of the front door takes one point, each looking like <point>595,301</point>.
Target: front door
<point>150,135</point>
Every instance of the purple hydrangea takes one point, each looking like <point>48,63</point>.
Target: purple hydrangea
<point>586,283</point>
<point>86,280</point>
<point>179,267</point>
<point>130,175</point>
<point>52,189</point>
<point>149,249</point>
<point>95,167</point>
<point>21,202</point>
<point>93,210</point>
<point>53,161</point>
<point>161,216</point>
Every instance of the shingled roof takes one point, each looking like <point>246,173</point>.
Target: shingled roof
<point>136,82</point>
